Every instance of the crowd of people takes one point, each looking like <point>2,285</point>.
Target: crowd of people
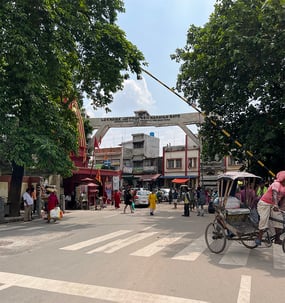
<point>266,199</point>
<point>30,203</point>
<point>190,198</point>
<point>260,197</point>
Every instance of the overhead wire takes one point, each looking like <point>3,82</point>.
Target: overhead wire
<point>225,132</point>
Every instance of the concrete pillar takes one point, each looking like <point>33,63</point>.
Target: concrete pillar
<point>62,203</point>
<point>38,201</point>
<point>2,210</point>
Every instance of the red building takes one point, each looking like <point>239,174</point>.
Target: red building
<point>84,174</point>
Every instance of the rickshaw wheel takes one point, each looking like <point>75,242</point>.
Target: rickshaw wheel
<point>249,243</point>
<point>283,245</point>
<point>215,237</point>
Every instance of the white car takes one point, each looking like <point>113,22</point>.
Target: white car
<point>165,194</point>
<point>141,197</point>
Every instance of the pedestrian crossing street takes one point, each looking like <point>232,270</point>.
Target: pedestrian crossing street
<point>154,242</point>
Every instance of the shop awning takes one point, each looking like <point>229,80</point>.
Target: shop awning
<point>125,176</point>
<point>149,177</point>
<point>179,180</point>
<point>87,180</point>
<point>179,177</point>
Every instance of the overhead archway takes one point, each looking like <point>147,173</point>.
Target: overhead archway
<point>143,118</point>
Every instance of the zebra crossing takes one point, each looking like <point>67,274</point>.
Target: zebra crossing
<point>191,248</point>
<point>152,242</point>
<point>157,245</point>
<point>192,251</point>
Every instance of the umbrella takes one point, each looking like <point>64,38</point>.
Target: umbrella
<point>87,180</point>
<point>92,184</point>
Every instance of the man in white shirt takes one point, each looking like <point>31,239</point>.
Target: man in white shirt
<point>28,205</point>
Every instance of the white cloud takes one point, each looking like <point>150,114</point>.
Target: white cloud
<point>135,96</point>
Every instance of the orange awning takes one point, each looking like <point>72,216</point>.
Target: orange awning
<point>179,180</point>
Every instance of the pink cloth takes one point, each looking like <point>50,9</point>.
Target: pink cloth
<point>280,177</point>
<point>278,187</point>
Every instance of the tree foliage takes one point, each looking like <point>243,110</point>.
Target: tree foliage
<point>54,51</point>
<point>234,68</point>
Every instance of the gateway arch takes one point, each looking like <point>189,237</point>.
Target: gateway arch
<point>143,118</point>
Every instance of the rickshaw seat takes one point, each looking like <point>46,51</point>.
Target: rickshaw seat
<point>237,211</point>
<point>235,215</point>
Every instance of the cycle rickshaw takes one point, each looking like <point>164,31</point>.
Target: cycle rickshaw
<point>235,223</point>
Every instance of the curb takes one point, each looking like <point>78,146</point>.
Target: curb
<point>15,219</point>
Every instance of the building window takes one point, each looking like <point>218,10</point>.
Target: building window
<point>128,163</point>
<point>148,162</point>
<point>174,163</point>
<point>137,164</point>
<point>170,163</point>
<point>178,163</point>
<point>138,144</point>
<point>192,163</point>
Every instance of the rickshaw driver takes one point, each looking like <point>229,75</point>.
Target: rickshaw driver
<point>269,201</point>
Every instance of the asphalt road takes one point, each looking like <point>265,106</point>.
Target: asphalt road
<point>108,256</point>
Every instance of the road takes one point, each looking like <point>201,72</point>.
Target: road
<point>107,256</point>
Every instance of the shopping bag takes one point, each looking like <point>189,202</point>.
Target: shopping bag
<point>43,214</point>
<point>55,213</point>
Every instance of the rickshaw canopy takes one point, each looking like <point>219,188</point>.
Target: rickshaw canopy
<point>237,175</point>
<point>229,182</point>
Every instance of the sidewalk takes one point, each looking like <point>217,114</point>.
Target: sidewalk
<point>17,219</point>
<point>36,216</point>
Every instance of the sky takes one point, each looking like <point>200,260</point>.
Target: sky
<point>157,28</point>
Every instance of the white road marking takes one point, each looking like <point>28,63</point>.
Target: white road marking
<point>192,251</point>
<point>236,255</point>
<point>278,257</point>
<point>2,287</point>
<point>67,225</point>
<point>110,216</point>
<point>121,243</point>
<point>148,228</point>
<point>158,245</point>
<point>8,228</point>
<point>31,228</point>
<point>244,290</point>
<point>89,291</point>
<point>92,241</point>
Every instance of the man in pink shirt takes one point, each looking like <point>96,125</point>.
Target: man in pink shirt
<point>268,205</point>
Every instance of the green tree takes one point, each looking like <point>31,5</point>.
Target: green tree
<point>233,68</point>
<point>52,52</point>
